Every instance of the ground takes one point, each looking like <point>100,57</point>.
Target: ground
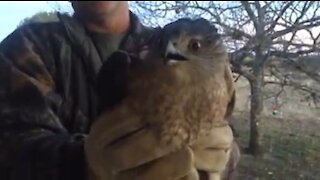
<point>291,149</point>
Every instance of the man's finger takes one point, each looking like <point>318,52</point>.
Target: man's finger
<point>211,160</point>
<point>218,138</point>
<point>212,152</point>
<point>135,150</point>
<point>173,166</point>
<point>113,125</point>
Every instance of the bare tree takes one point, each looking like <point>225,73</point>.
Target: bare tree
<point>255,32</point>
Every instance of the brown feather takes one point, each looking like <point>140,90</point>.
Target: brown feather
<point>182,101</point>
<point>178,102</point>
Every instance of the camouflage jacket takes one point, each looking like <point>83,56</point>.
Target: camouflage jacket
<point>47,99</point>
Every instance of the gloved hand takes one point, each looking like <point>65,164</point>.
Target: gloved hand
<point>119,147</point>
<point>212,153</point>
<point>230,172</point>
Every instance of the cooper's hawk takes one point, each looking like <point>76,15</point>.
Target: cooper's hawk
<point>179,86</point>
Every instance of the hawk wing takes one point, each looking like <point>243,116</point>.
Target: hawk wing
<point>112,79</point>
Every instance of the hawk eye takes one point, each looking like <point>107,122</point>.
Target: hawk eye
<point>194,44</point>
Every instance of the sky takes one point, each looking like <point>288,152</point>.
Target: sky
<point>13,12</point>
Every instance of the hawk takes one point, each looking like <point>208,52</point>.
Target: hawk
<point>179,86</point>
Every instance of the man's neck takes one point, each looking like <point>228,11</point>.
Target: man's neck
<point>116,23</point>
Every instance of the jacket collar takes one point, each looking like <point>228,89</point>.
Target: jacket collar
<point>83,44</point>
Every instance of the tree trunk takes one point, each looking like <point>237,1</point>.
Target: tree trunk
<point>256,111</point>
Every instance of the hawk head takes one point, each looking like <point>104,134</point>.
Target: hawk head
<point>193,42</point>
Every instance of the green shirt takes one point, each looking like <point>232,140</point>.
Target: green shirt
<point>106,44</point>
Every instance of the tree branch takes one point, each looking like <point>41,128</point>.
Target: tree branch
<point>286,82</point>
<point>314,23</point>
<point>250,13</point>
<point>283,10</point>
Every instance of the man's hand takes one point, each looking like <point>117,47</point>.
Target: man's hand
<point>212,153</point>
<point>119,146</point>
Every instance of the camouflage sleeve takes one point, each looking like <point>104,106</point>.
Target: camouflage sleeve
<point>34,145</point>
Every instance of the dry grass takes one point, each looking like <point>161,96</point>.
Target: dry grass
<point>291,149</point>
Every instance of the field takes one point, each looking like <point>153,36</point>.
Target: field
<point>291,149</point>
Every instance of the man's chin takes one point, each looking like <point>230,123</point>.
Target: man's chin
<point>97,7</point>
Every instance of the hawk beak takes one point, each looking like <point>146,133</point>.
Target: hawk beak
<point>172,55</point>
